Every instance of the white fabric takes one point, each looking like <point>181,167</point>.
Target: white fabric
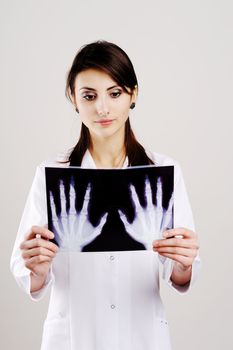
<point>102,300</point>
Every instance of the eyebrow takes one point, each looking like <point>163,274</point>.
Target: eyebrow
<point>88,88</point>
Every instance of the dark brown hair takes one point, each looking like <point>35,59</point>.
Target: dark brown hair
<point>111,59</point>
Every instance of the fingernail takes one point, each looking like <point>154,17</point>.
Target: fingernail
<point>165,234</point>
<point>156,243</point>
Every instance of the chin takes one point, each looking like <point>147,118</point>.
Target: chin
<point>107,133</point>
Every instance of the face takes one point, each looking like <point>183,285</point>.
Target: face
<point>103,105</point>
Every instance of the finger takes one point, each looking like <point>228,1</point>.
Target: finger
<point>32,243</point>
<point>185,261</point>
<point>52,206</point>
<point>63,198</point>
<point>102,221</point>
<point>37,251</point>
<point>42,231</point>
<point>167,220</point>
<point>159,195</point>
<point>177,251</point>
<point>171,203</point>
<point>97,230</point>
<point>186,233</point>
<point>72,210</point>
<point>176,242</point>
<point>86,199</point>
<point>148,194</point>
<point>123,218</point>
<point>135,198</point>
<point>35,260</point>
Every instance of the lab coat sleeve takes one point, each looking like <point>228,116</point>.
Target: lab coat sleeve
<point>182,218</point>
<point>34,214</point>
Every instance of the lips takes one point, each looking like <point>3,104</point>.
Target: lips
<point>105,121</point>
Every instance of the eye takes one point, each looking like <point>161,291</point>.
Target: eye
<point>116,94</point>
<point>89,97</point>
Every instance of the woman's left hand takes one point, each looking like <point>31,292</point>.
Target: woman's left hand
<point>179,244</point>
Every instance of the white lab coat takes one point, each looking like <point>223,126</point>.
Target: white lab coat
<point>102,300</point>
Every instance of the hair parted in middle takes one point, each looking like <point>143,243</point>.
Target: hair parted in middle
<point>111,59</point>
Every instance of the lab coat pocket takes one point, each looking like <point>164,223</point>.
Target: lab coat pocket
<point>162,334</point>
<point>56,333</point>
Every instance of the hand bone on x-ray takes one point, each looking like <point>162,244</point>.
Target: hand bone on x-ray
<point>151,221</point>
<point>73,230</point>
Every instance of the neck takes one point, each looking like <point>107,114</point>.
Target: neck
<point>109,152</point>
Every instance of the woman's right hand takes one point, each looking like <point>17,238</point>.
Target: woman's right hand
<point>38,253</point>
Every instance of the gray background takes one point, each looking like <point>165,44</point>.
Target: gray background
<point>182,52</point>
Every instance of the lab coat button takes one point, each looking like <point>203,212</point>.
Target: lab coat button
<point>112,257</point>
<point>113,306</point>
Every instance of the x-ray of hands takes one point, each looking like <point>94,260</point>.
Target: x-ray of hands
<point>150,222</point>
<point>104,210</point>
<point>73,230</point>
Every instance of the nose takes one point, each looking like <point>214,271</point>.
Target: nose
<point>102,107</point>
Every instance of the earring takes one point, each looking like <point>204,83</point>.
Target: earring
<point>132,105</point>
<point>77,110</point>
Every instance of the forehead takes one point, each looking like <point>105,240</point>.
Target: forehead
<point>93,78</point>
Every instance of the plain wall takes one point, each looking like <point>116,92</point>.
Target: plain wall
<point>182,52</point>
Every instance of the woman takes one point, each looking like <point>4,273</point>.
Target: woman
<point>104,300</point>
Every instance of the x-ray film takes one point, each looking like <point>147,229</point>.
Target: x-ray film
<point>92,210</point>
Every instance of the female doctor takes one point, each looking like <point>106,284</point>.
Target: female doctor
<point>104,300</point>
